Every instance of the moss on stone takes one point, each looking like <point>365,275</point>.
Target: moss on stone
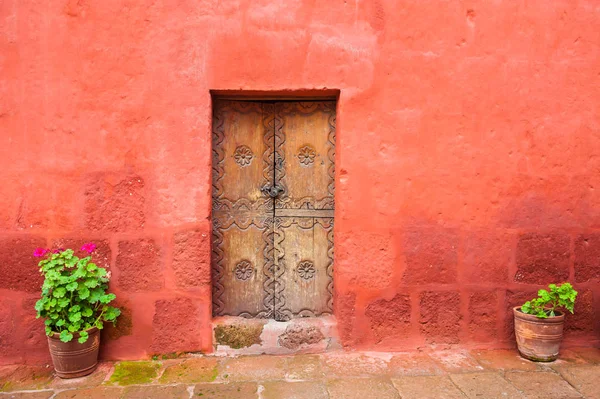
<point>238,336</point>
<point>191,371</point>
<point>129,373</point>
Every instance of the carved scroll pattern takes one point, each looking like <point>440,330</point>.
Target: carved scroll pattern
<point>241,213</point>
<point>281,313</point>
<point>304,108</point>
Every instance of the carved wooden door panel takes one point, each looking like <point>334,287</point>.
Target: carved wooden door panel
<point>304,169</point>
<point>273,184</point>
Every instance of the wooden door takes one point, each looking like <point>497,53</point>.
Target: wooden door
<point>273,186</point>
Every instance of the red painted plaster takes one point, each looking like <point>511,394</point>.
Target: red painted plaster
<point>468,151</point>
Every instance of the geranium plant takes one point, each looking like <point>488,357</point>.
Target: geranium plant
<point>547,302</point>
<point>74,294</point>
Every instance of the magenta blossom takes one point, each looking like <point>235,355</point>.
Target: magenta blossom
<point>89,247</point>
<point>58,250</point>
<point>39,252</point>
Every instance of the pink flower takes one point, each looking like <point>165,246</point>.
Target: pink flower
<point>108,275</point>
<point>89,247</point>
<point>58,250</point>
<point>39,252</point>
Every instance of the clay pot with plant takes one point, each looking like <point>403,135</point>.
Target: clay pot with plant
<point>74,304</point>
<point>539,323</point>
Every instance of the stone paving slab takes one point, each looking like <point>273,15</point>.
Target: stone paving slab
<point>542,385</point>
<point>380,388</point>
<point>333,375</point>
<point>243,390</point>
<point>585,379</point>
<point>485,385</point>
<point>293,390</point>
<point>439,387</point>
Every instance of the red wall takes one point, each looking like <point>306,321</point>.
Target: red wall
<point>468,157</point>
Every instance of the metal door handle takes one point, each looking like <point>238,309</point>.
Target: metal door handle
<point>272,191</point>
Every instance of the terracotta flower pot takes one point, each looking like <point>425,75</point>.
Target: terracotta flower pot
<point>72,359</point>
<point>538,339</point>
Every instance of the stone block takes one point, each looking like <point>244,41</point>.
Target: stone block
<point>413,363</point>
<point>431,255</point>
<point>541,385</point>
<point>587,258</point>
<point>296,336</point>
<point>584,379</point>
<point>504,360</point>
<point>426,387</point>
<point>140,266</point>
<point>380,388</point>
<point>32,332</point>
<point>390,319</point>
<point>191,258</point>
<point>25,378</point>
<point>19,270</point>
<point>440,317</point>
<point>486,257</point>
<point>456,361</point>
<point>193,370</point>
<point>304,367</point>
<point>91,393</point>
<point>154,391</point>
<point>372,252</point>
<point>483,313</point>
<point>245,390</point>
<point>485,385</point>
<point>238,336</point>
<point>285,389</point>
<point>261,368</point>
<point>8,327</point>
<point>134,373</point>
<point>49,202</point>
<point>176,326</point>
<point>353,365</point>
<point>582,321</point>
<point>115,203</point>
<point>542,258</point>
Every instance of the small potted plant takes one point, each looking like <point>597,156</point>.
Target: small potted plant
<point>539,322</point>
<point>74,303</point>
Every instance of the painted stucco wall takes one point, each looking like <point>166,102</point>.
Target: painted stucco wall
<point>468,157</point>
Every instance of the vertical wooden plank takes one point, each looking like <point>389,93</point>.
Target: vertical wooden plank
<point>304,167</point>
<point>241,213</point>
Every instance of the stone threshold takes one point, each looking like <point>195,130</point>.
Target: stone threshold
<point>240,336</point>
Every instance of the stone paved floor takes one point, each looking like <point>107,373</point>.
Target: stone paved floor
<point>334,375</point>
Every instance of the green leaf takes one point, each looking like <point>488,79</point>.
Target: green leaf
<point>60,323</point>
<point>59,292</point>
<point>107,298</point>
<point>48,331</point>
<point>84,292</point>
<point>75,317</point>
<point>83,336</point>
<point>91,267</point>
<point>95,295</point>
<point>65,336</point>
<point>74,309</point>
<point>39,305</point>
<point>63,302</point>
<point>72,286</point>
<point>111,313</point>
<point>91,283</point>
